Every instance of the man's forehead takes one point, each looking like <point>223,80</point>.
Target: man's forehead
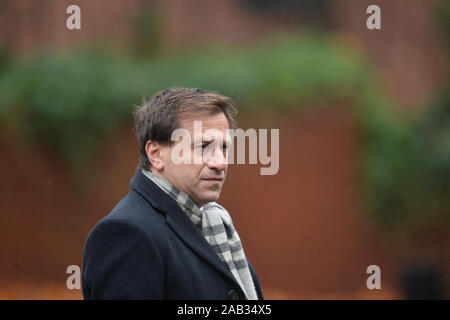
<point>206,122</point>
<point>211,135</point>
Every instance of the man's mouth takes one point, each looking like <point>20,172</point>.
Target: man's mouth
<point>218,179</point>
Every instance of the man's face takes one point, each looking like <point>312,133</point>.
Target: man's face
<point>203,177</point>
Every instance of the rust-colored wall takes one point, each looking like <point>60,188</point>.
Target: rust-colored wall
<point>408,50</point>
<point>303,229</point>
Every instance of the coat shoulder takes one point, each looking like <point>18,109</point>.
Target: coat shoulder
<point>137,211</point>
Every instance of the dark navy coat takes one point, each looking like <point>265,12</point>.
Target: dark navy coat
<point>147,248</point>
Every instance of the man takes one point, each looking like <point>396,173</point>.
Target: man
<point>168,238</point>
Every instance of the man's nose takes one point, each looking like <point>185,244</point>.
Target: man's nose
<point>217,159</point>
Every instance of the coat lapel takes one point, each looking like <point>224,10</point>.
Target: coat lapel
<point>178,221</point>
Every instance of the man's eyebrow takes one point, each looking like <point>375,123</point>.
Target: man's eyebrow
<point>202,140</point>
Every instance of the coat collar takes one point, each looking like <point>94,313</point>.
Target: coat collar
<point>178,221</point>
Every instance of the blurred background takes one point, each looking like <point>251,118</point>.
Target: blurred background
<point>364,119</point>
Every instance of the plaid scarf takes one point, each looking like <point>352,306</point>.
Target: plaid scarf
<point>216,226</point>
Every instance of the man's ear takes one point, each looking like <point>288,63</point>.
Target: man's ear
<point>153,151</point>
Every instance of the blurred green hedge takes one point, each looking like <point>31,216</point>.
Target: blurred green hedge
<point>406,163</point>
<point>406,171</point>
<point>72,101</point>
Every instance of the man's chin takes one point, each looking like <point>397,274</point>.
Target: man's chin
<point>210,197</point>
